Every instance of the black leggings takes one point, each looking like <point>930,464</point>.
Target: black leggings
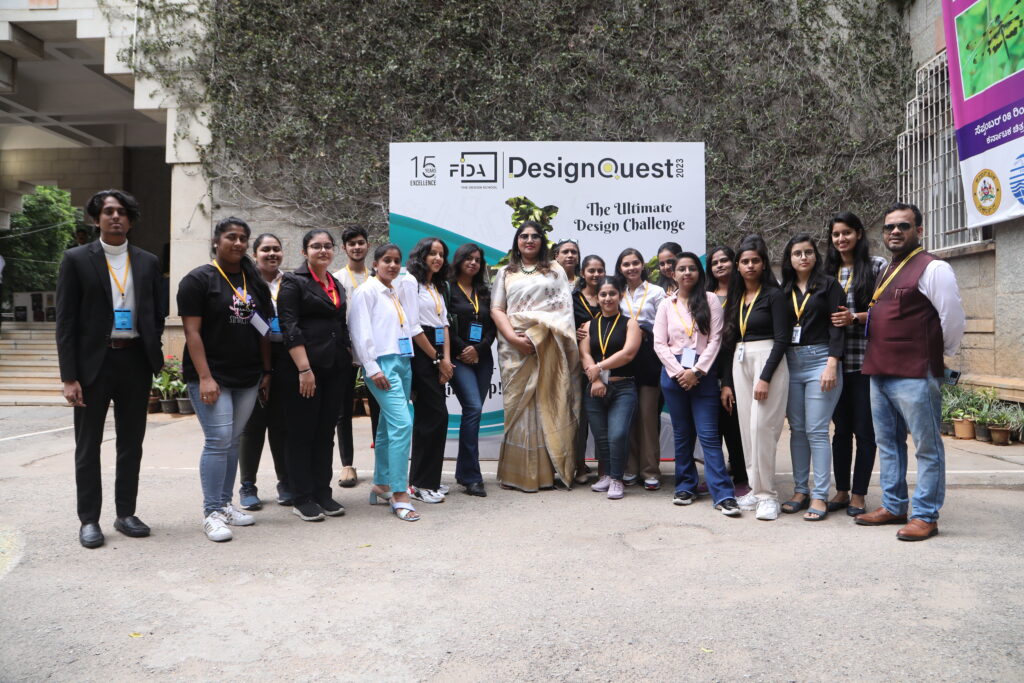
<point>852,416</point>
<point>430,421</point>
<point>729,425</point>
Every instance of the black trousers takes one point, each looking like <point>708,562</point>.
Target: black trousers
<point>269,421</point>
<point>125,379</point>
<point>311,423</point>
<point>852,416</point>
<point>430,421</point>
<point>345,448</point>
<point>729,425</point>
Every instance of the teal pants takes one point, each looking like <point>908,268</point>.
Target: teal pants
<point>394,429</point>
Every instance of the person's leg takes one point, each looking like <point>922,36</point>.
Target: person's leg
<point>729,425</point>
<point>132,383</point>
<point>242,402</point>
<point>582,430</point>
<point>843,418</point>
<point>250,449</point>
<point>394,431</point>
<point>865,432</point>
<point>796,409</point>
<point>678,402</point>
<point>704,409</point>
<point>215,420</point>
<point>430,424</point>
<point>302,418</point>
<point>743,390</point>
<point>89,423</point>
<point>374,413</point>
<point>649,418</point>
<point>619,418</point>
<point>466,386</point>
<point>768,418</point>
<point>819,406</point>
<point>597,416</point>
<point>344,427</point>
<point>891,437</point>
<point>277,434</point>
<point>332,385</point>
<point>920,403</point>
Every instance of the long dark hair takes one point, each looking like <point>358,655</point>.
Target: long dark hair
<point>379,252</point>
<point>697,302</point>
<point>515,261</point>
<point>581,283</point>
<point>416,264</point>
<point>253,277</point>
<point>817,277</point>
<point>664,282</point>
<point>712,281</point>
<point>630,251</point>
<point>863,268</point>
<point>737,287</point>
<point>479,281</point>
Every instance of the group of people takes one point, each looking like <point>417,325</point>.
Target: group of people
<point>731,352</point>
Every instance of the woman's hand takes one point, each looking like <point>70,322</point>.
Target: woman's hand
<point>581,332</point>
<point>522,344</point>
<point>444,371</point>
<point>843,317</point>
<point>829,378</point>
<point>469,356</point>
<point>687,379</point>
<point>761,390</point>
<point>598,389</point>
<point>593,373</point>
<point>209,391</point>
<point>307,384</point>
<point>381,382</point>
<point>265,387</point>
<point>728,399</point>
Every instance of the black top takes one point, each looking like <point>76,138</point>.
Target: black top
<point>582,311</point>
<point>616,339</point>
<point>816,321</point>
<point>309,318</point>
<point>461,316</point>
<point>768,319</point>
<point>231,343</point>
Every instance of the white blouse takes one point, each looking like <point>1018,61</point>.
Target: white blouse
<point>374,321</point>
<point>431,306</point>
<point>642,304</point>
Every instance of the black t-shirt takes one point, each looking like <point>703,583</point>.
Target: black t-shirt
<point>816,326</point>
<point>229,339</point>
<point>582,311</point>
<point>461,316</point>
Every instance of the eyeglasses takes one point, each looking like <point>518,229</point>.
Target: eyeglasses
<point>326,246</point>
<point>529,237</point>
<point>902,227</point>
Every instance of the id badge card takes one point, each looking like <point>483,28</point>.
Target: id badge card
<point>259,323</point>
<point>405,347</point>
<point>476,332</point>
<point>275,325</point>
<point>122,319</point>
<point>438,336</point>
<point>796,335</point>
<point>605,376</point>
<point>739,352</point>
<point>689,358</point>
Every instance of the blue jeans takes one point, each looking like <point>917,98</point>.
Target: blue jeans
<point>223,424</point>
<point>394,428</point>
<point>471,384</point>
<point>809,410</point>
<point>899,404</point>
<point>611,417</point>
<point>695,416</point>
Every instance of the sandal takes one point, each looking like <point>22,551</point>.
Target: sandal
<point>377,498</point>
<point>405,512</point>
<point>836,505</point>
<point>793,506</point>
<point>813,515</point>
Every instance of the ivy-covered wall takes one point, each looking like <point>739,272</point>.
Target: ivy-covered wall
<point>798,102</point>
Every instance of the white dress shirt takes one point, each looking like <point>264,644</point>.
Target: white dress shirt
<point>642,304</point>
<point>938,284</point>
<point>374,321</point>
<point>117,257</point>
<point>350,280</point>
<point>430,303</point>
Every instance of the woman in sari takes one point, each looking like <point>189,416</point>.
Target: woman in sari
<point>532,308</point>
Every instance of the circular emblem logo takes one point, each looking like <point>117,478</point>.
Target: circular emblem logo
<point>986,192</point>
<point>1017,179</point>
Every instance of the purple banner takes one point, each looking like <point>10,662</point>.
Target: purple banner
<point>997,128</point>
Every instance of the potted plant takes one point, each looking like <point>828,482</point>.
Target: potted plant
<point>962,414</point>
<point>1000,424</point>
<point>950,401</point>
<point>181,395</point>
<point>167,384</point>
<point>984,411</point>
<point>1017,422</point>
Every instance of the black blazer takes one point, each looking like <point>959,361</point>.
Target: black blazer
<point>85,310</point>
<point>309,318</point>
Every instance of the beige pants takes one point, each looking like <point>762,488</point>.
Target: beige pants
<point>645,436</point>
<point>761,422</point>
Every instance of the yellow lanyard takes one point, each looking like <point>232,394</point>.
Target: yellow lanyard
<point>603,343</point>
<point>640,308</point>
<point>799,311</point>
<point>127,270</point>
<point>243,296</point>
<point>586,306</point>
<point>743,320</point>
<point>398,307</point>
<point>475,300</point>
<point>849,280</point>
<point>351,276</point>
<point>686,328</point>
<point>881,287</point>
<point>437,300</point>
<point>274,291</point>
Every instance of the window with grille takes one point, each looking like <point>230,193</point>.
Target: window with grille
<point>927,166</point>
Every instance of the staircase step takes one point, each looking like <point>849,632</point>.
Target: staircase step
<point>42,375</point>
<point>10,325</point>
<point>40,335</point>
<point>7,399</point>
<point>6,364</point>
<point>27,345</point>
<point>28,354</point>
<point>31,387</point>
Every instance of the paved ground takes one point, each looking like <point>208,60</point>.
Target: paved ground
<point>555,584</point>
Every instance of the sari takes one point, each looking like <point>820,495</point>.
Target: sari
<point>541,392</point>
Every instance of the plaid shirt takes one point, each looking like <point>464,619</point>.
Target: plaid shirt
<point>856,342</point>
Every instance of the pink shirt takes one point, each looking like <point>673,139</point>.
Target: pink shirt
<point>670,336</point>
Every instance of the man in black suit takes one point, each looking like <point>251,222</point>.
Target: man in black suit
<point>109,326</point>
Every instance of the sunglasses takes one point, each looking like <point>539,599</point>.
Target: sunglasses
<point>902,227</point>
<point>527,237</point>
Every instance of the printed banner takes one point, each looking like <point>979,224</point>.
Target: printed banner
<point>610,195</point>
<point>985,50</point>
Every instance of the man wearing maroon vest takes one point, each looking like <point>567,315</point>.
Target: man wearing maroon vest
<point>916,317</point>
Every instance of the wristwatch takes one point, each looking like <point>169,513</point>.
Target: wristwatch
<point>700,373</point>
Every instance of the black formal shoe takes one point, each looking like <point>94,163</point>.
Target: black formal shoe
<point>90,535</point>
<point>131,526</point>
<point>476,489</point>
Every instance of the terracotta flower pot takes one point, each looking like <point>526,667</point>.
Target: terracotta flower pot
<point>963,429</point>
<point>1000,435</point>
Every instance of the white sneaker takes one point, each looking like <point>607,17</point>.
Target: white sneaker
<point>616,489</point>
<point>443,489</point>
<point>602,484</point>
<point>216,527</point>
<point>236,517</point>
<point>426,495</point>
<point>747,502</point>
<point>768,509</point>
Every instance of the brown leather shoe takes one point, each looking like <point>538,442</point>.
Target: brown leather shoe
<point>917,530</point>
<point>879,517</point>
